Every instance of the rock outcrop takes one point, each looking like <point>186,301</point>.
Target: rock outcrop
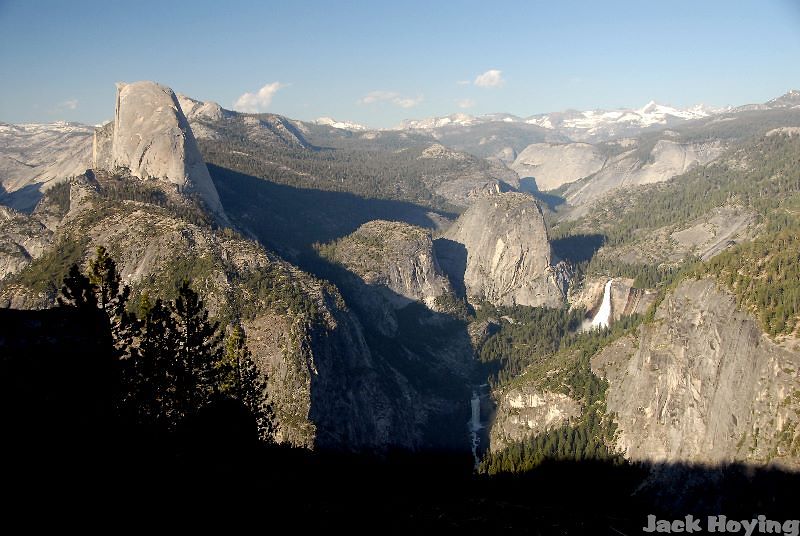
<point>625,299</point>
<point>327,387</point>
<point>525,411</point>
<point>552,165</point>
<point>152,138</point>
<point>22,238</point>
<point>704,237</point>
<point>33,157</point>
<point>666,159</point>
<point>507,252</point>
<point>395,259</point>
<point>702,383</point>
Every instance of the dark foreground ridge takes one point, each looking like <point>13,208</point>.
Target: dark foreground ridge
<point>65,451</point>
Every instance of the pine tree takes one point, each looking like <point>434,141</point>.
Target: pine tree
<point>102,290</point>
<point>154,368</point>
<point>243,380</point>
<point>77,291</point>
<point>198,351</point>
<point>107,281</point>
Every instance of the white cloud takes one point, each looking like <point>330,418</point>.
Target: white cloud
<point>463,82</point>
<point>407,102</point>
<point>391,97</point>
<point>259,101</point>
<point>377,96</point>
<point>71,104</point>
<point>465,103</point>
<point>491,78</point>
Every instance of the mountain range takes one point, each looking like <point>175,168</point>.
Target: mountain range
<point>604,287</point>
<point>594,125</point>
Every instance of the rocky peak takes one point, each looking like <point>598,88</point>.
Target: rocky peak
<point>151,136</point>
<point>396,257</point>
<point>195,109</point>
<point>789,99</point>
<point>508,259</point>
<point>437,150</point>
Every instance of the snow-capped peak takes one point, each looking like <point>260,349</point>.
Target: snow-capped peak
<point>458,119</point>
<point>649,108</point>
<point>597,122</point>
<point>344,125</point>
<point>790,99</point>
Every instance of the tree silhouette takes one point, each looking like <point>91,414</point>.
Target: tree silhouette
<point>242,379</point>
<point>111,297</point>
<point>151,373</point>
<point>168,363</point>
<point>198,351</point>
<point>77,291</point>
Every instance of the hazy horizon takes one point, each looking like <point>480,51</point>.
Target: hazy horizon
<point>378,65</point>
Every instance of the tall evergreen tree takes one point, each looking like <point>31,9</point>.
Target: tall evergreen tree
<point>241,378</point>
<point>111,297</point>
<point>198,351</point>
<point>151,373</point>
<point>77,291</point>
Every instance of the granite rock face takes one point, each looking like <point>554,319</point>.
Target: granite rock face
<point>397,257</point>
<point>151,137</point>
<point>702,383</point>
<point>625,298</point>
<point>552,165</point>
<point>34,157</point>
<point>508,256</point>
<point>665,160</point>
<point>327,388</point>
<point>22,238</point>
<point>526,411</point>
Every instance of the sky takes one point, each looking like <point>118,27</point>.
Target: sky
<point>377,63</point>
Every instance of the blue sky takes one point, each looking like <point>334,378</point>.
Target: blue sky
<point>379,62</point>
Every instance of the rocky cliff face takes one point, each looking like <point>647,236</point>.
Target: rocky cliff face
<point>625,299</point>
<point>151,137</point>
<point>552,165</point>
<point>703,384</point>
<point>525,411</point>
<point>33,157</point>
<point>22,238</point>
<point>507,257</point>
<point>666,159</point>
<point>397,257</point>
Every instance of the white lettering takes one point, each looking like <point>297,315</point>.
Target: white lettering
<point>791,527</point>
<point>716,524</point>
<point>749,526</point>
<point>692,524</point>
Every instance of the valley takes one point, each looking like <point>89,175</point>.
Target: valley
<point>518,297</point>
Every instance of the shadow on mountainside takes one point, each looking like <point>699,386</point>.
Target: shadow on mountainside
<point>290,220</point>
<point>550,200</point>
<point>452,258</point>
<point>411,345</point>
<point>24,200</point>
<point>65,454</point>
<point>577,248</point>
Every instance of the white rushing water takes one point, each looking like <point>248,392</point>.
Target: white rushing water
<point>475,425</point>
<point>603,316</point>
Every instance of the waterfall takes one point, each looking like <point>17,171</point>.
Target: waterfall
<point>603,316</point>
<point>475,425</point>
<point>475,421</point>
